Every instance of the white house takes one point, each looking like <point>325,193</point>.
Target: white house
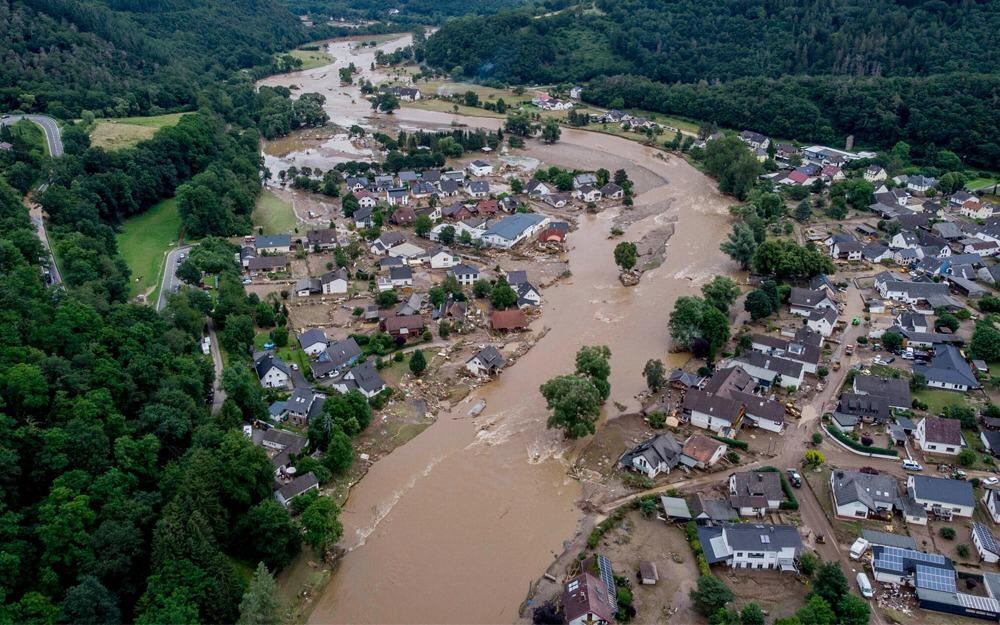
<point>804,301</point>
<point>939,436</point>
<point>486,362</point>
<point>479,168</point>
<point>272,371</point>
<point>366,199</point>
<point>764,413</point>
<point>875,174</point>
<point>273,244</point>
<point>657,455</point>
<point>712,412</point>
<point>823,321</point>
<point>941,496</point>
<point>401,276</point>
<point>511,230</point>
<point>313,341</point>
<point>587,193</point>
<point>986,543</point>
<point>465,274</point>
<point>443,258</point>
<point>974,210</point>
<point>752,546</point>
<point>410,253</point>
<point>702,452</point>
<point>771,369</point>
<point>859,495</point>
<point>991,501</point>
<point>363,378</point>
<point>753,493</point>
<point>335,282</point>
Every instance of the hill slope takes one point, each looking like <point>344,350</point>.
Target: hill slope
<point>128,57</point>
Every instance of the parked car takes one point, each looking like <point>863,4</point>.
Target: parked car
<point>991,481</point>
<point>912,465</point>
<point>859,548</point>
<point>795,478</point>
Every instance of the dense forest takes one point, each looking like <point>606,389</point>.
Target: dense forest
<point>815,71</point>
<point>131,57</point>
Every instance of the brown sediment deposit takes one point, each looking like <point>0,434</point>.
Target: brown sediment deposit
<point>453,526</point>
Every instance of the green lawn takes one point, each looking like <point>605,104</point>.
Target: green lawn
<point>936,400</point>
<point>312,58</point>
<point>31,134</point>
<point>977,183</point>
<point>144,241</point>
<point>114,134</point>
<point>290,353</point>
<point>273,214</point>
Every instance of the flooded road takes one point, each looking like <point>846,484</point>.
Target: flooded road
<point>453,526</point>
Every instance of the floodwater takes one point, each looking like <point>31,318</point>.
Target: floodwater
<point>453,526</point>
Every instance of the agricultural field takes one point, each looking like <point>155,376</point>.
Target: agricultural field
<point>115,134</point>
<point>143,243</point>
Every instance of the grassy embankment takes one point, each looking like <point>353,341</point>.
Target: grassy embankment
<point>312,59</point>
<point>115,134</point>
<point>273,214</point>
<point>143,243</point>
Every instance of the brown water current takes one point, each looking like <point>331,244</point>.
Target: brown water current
<point>453,526</point>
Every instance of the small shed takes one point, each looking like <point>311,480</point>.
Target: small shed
<point>648,572</point>
<point>675,508</point>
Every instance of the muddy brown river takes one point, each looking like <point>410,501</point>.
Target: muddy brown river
<point>453,526</point>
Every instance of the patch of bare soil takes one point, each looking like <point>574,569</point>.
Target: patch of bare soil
<point>779,595</point>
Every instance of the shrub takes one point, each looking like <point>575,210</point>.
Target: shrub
<point>733,457</point>
<point>947,533</point>
<point>838,434</point>
<point>808,563</point>
<point>966,458</point>
<point>822,372</point>
<point>862,340</point>
<point>732,442</point>
<point>657,420</point>
<point>963,551</point>
<point>817,438</point>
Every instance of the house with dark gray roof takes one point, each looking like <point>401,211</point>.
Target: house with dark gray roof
<point>335,357</point>
<point>707,510</point>
<point>804,349</point>
<point>302,405</point>
<point>363,377</point>
<point>753,493</point>
<point>298,486</point>
<point>712,412</point>
<point>657,455</point>
<point>948,370</point>
<point>313,341</point>
<point>852,408</point>
<point>273,243</point>
<point>770,370</point>
<point>888,539</point>
<point>752,546</point>
<point>896,391</point>
<point>804,301</point>
<point>486,362</point>
<point>272,371</point>
<point>764,413</point>
<point>858,495</point>
<point>941,496</point>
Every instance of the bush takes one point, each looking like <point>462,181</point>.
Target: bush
<point>817,438</point>
<point>963,551</point>
<point>966,458</point>
<point>657,420</point>
<point>822,372</point>
<point>808,563</point>
<point>919,405</point>
<point>862,340</point>
<point>947,533</point>
<point>838,434</point>
<point>732,442</point>
<point>733,457</point>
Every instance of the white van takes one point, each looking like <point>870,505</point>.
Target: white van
<point>865,586</point>
<point>859,548</point>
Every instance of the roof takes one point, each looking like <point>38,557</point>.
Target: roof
<point>730,379</point>
<point>746,537</point>
<point>948,366</point>
<point>366,377</point>
<point>873,491</point>
<point>512,319</point>
<point>864,406</point>
<point>714,509</point>
<point>807,298</point>
<point>760,407</point>
<point>298,486</point>
<point>690,380</point>
<point>478,186</point>
<point>465,270</point>
<point>400,322</point>
<point>701,448</point>
<point>336,356</point>
<point>267,262</point>
<point>944,431</point>
<point>512,227</point>
<point>774,364</point>
<point>986,538</point>
<point>263,362</point>
<point>887,539</point>
<point>661,448</point>
<point>272,240</point>
<point>824,313</point>
<point>675,507</point>
<point>337,274</point>
<point>400,273</point>
<point>943,490</point>
<point>895,391</point>
<point>311,337</point>
<point>714,405</point>
<point>765,484</point>
<point>586,594</point>
<point>490,356</point>
<point>992,439</point>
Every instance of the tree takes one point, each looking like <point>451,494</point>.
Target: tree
<point>625,255</point>
<point>269,534</point>
<point>655,374</point>
<point>321,527</point>
<point>685,320</point>
<point>946,320</point>
<point>714,329</point>
<point>349,205</point>
<point>418,363</point>
<point>721,292</point>
<point>447,235</point>
<point>551,131</point>
<point>422,226</point>
<point>502,296</point>
<point>259,605</point>
<point>808,563</point>
<point>817,611</point>
<point>803,211</point>
<point>519,124</point>
<point>711,595</point>
<point>339,452</point>
<point>481,288</point>
<point>724,616</point>
<point>592,361</point>
<point>385,102</point>
<point>985,342</point>
<point>813,458</point>
<point>830,583</point>
<point>575,404</point>
<point>782,258</point>
<point>741,244</point>
<point>892,341</point>
<point>603,176</point>
<point>918,381</point>
<point>758,304</point>
<point>90,603</point>
<point>751,614</point>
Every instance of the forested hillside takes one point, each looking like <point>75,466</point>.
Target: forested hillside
<point>131,57</point>
<point>814,71</point>
<point>414,11</point>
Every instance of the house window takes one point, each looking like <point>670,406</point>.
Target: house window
<point>755,556</point>
<point>949,449</point>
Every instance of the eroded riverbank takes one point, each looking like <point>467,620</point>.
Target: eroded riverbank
<point>454,526</point>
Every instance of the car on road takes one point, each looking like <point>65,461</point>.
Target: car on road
<point>247,281</point>
<point>795,478</point>
<point>991,481</point>
<point>912,465</point>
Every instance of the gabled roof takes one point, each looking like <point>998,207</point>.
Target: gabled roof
<point>272,240</point>
<point>948,366</point>
<point>773,364</point>
<point>864,406</point>
<point>873,491</point>
<point>264,361</point>
<point>298,486</point>
<point>943,490</point>
<point>701,448</point>
<point>311,337</point>
<point>366,377</point>
<point>661,448</point>
<point>895,391</point>
<point>765,484</point>
<point>807,298</point>
<point>465,270</point>
<point>943,431</point>
<point>585,594</point>
<point>489,356</point>
<point>725,381</point>
<point>760,407</point>
<point>511,227</point>
<point>714,405</point>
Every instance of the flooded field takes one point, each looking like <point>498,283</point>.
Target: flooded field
<point>453,526</point>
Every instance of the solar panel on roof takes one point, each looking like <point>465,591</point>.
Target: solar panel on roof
<point>934,578</point>
<point>986,538</point>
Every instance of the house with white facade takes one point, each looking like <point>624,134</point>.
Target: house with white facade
<point>752,546</point>
<point>511,230</point>
<point>487,362</point>
<point>942,497</point>
<point>272,371</point>
<point>859,495</point>
<point>875,174</point>
<point>465,274</point>
<point>313,341</point>
<point>986,543</point>
<point>479,168</point>
<point>712,412</point>
<point>335,282</point>
<point>443,258</point>
<point>948,370</point>
<point>771,369</point>
<point>822,321</point>
<point>657,455</point>
<point>754,493</point>
<point>939,436</point>
<point>804,301</point>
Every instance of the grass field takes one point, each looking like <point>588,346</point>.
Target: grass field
<point>936,400</point>
<point>273,214</point>
<point>31,134</point>
<point>312,58</point>
<point>114,134</point>
<point>144,241</point>
<point>979,183</point>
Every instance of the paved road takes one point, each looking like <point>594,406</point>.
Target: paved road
<point>53,136</point>
<point>170,279</point>
<point>219,395</point>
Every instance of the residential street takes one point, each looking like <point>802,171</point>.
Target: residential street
<point>170,279</point>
